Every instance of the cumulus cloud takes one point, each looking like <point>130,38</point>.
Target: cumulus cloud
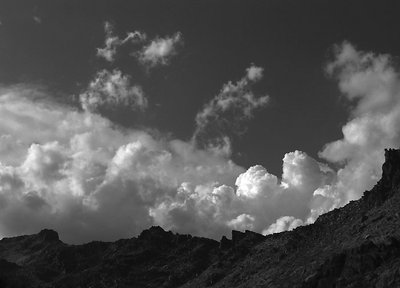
<point>77,172</point>
<point>256,201</point>
<point>112,90</point>
<point>265,203</point>
<point>112,42</point>
<point>226,112</point>
<point>160,50</point>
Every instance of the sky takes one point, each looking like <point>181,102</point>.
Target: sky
<point>198,116</point>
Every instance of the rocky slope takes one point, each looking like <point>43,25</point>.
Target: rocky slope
<point>354,246</point>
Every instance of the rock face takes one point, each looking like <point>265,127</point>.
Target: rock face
<point>354,246</point>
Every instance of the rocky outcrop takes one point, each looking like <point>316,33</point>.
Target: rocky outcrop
<point>355,246</point>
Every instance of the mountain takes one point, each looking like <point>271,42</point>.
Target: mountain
<point>357,245</point>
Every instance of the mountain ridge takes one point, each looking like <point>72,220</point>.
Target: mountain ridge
<point>357,245</point>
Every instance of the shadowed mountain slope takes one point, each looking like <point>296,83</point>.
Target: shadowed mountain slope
<point>357,245</point>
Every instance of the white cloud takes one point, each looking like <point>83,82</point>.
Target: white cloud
<point>254,73</point>
<point>286,223</point>
<point>160,50</point>
<point>256,181</point>
<point>82,176</point>
<point>307,187</point>
<point>226,111</point>
<point>45,163</point>
<point>372,86</point>
<point>242,222</point>
<point>79,174</point>
<point>259,199</point>
<point>112,90</point>
<point>113,42</point>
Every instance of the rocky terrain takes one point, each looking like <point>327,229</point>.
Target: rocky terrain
<point>354,246</point>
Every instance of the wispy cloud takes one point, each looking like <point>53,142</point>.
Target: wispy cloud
<point>226,112</point>
<point>112,42</point>
<point>151,53</point>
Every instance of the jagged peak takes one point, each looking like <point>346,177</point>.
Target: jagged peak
<point>49,235</point>
<point>386,186</point>
<point>154,232</point>
<point>391,168</point>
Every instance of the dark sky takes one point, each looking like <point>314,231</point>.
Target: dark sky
<point>292,40</point>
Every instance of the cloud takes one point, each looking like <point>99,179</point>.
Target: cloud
<point>37,19</point>
<point>255,181</point>
<point>80,174</point>
<point>257,201</point>
<point>286,223</point>
<point>160,50</point>
<point>113,42</point>
<point>372,86</point>
<point>226,112</point>
<point>262,202</point>
<point>112,90</point>
<point>77,172</point>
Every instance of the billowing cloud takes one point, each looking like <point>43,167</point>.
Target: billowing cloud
<point>262,202</point>
<point>112,42</point>
<point>112,90</point>
<point>160,50</point>
<point>77,172</point>
<point>226,112</point>
<point>256,201</point>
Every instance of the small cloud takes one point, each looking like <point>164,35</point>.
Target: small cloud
<point>285,223</point>
<point>160,50</point>
<point>112,89</point>
<point>254,73</point>
<point>37,19</point>
<point>112,42</point>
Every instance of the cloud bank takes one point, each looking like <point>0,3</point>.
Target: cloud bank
<point>77,172</point>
